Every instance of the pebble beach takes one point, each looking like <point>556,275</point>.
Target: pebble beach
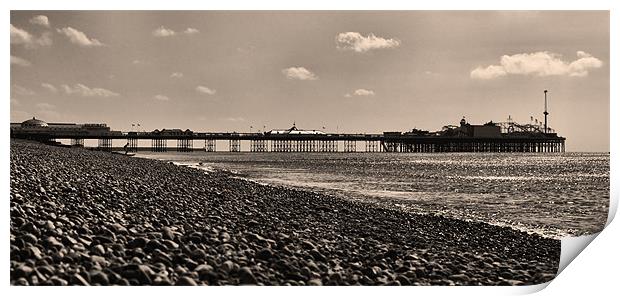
<point>80,217</point>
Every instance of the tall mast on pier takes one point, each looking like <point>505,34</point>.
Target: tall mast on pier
<point>545,113</point>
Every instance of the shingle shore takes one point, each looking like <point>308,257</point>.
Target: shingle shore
<point>84,217</point>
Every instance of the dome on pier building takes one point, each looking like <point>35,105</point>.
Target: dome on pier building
<point>294,131</point>
<point>34,123</point>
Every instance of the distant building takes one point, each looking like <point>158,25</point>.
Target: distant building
<point>173,132</point>
<point>487,130</point>
<point>293,131</point>
<point>34,126</point>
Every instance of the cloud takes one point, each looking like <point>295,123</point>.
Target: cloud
<point>49,87</point>
<point>356,42</point>
<point>22,91</point>
<point>176,75</point>
<point>78,37</point>
<point>163,32</point>
<point>540,63</point>
<point>40,20</point>
<point>191,31</point>
<point>235,119</point>
<point>364,92</point>
<point>161,98</point>
<point>22,37</point>
<point>20,62</point>
<point>19,36</point>
<point>85,91</point>
<point>360,93</point>
<point>205,90</point>
<point>489,72</point>
<point>299,73</point>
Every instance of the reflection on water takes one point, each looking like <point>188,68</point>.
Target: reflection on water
<point>551,194</point>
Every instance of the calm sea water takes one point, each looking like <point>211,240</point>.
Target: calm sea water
<point>555,195</point>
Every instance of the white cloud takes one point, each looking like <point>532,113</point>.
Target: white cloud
<point>235,119</point>
<point>299,73</point>
<point>489,72</point>
<point>49,87</point>
<point>360,93</point>
<point>357,42</point>
<point>78,37</point>
<point>22,91</point>
<point>364,92</point>
<point>163,32</point>
<point>22,37</point>
<point>176,75</point>
<point>191,31</point>
<point>40,20</point>
<point>205,90</point>
<point>85,91</point>
<point>20,62</point>
<point>541,63</point>
<point>19,36</point>
<point>161,98</point>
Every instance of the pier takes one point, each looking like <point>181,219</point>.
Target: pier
<point>490,137</point>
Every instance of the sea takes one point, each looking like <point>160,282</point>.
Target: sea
<point>554,195</point>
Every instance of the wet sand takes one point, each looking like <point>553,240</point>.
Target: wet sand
<point>86,217</point>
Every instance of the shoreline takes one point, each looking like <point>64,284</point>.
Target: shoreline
<point>125,220</point>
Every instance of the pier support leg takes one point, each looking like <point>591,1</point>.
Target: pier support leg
<point>185,145</point>
<point>77,142</point>
<point>159,145</point>
<point>258,146</point>
<point>372,146</point>
<point>132,145</point>
<point>210,145</point>
<point>105,144</point>
<point>350,146</point>
<point>235,145</point>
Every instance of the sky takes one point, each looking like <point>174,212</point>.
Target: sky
<point>357,71</point>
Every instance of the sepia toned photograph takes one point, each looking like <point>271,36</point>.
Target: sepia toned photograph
<point>305,148</point>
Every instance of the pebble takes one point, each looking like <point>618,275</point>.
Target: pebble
<point>23,271</point>
<point>99,277</point>
<point>167,233</point>
<point>84,217</point>
<point>186,281</point>
<point>77,279</point>
<point>246,276</point>
<point>28,237</point>
<point>99,250</point>
<point>227,266</point>
<point>264,254</point>
<point>404,281</point>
